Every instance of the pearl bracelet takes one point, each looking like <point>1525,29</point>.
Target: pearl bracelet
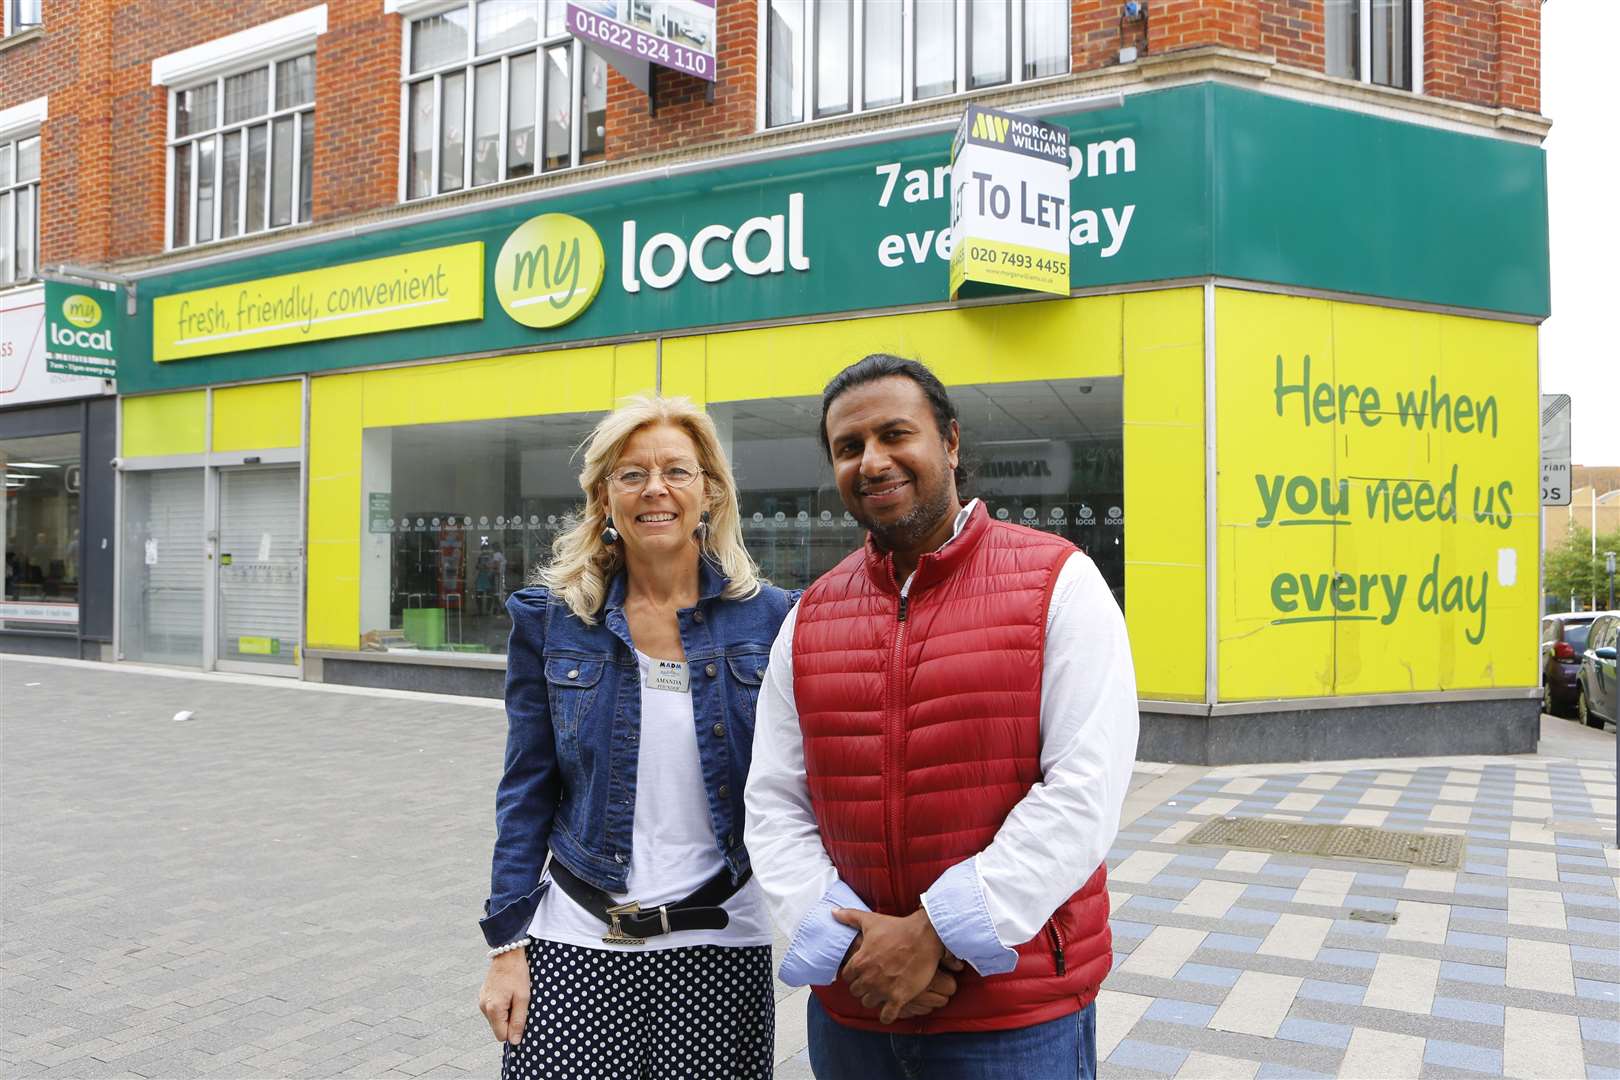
<point>510,947</point>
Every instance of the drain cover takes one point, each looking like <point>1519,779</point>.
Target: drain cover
<point>1442,851</point>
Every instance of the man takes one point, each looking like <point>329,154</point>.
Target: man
<point>943,743</point>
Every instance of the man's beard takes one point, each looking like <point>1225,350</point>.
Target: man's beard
<point>916,523</point>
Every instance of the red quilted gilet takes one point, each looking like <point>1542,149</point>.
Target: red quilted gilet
<point>921,729</point>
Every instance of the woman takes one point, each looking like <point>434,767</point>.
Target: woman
<point>628,936</point>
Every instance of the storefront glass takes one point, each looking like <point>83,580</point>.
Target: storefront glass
<point>163,567</point>
<point>457,517</point>
<point>1045,454</point>
<point>42,533</point>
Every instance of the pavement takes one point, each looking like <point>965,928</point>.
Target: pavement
<point>239,877</point>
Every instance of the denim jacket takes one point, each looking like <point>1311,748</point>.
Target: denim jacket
<point>573,708</point>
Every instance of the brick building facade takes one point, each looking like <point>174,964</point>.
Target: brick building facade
<point>395,257</point>
<point>104,157</point>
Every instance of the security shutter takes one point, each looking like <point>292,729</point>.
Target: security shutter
<point>261,586</point>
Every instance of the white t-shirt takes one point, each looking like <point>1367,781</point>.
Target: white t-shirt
<point>673,848</point>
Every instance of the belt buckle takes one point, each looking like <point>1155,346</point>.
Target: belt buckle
<point>616,934</point>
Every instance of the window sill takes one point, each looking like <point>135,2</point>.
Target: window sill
<point>901,109</point>
<point>13,41</point>
<point>432,659</point>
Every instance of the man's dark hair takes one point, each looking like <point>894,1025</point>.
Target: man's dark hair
<point>882,366</point>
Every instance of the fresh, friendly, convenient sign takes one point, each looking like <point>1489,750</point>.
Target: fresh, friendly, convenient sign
<point>1009,203</point>
<point>549,270</point>
<point>676,34</point>
<point>421,288</point>
<point>79,330</point>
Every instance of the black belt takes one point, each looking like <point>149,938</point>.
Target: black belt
<point>628,924</point>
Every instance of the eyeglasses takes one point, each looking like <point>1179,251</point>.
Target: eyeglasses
<point>633,478</point>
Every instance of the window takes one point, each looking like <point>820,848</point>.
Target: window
<point>832,57</point>
<point>19,209</point>
<point>459,516</point>
<point>498,90</point>
<point>22,15</point>
<point>1044,454</point>
<point>1376,41</point>
<point>241,152</point>
<point>41,538</point>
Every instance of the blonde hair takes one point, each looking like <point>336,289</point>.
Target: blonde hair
<point>582,565</point>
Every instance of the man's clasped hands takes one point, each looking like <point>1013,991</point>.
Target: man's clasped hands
<point>898,965</point>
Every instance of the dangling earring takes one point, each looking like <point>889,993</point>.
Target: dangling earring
<point>610,535</point>
<point>701,533</point>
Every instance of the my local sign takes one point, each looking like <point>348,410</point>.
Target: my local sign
<point>1167,186</point>
<point>79,330</point>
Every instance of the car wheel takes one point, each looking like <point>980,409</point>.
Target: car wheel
<point>1546,699</point>
<point>1584,712</point>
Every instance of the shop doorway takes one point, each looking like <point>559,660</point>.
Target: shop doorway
<point>213,568</point>
<point>259,575</point>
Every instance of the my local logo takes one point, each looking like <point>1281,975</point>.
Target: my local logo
<point>549,270</point>
<point>82,311</point>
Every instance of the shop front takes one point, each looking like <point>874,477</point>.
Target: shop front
<point>57,440</point>
<point>1310,384</point>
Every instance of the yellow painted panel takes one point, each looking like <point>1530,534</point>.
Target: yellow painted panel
<point>416,288</point>
<point>635,369</point>
<point>1163,335</point>
<point>1057,339</point>
<point>335,511</point>
<point>1421,432</point>
<point>260,417</point>
<point>529,384</point>
<point>686,362</point>
<point>165,424</point>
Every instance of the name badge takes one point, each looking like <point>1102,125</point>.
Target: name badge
<point>668,675</point>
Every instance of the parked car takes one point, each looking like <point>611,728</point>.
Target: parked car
<point>1563,639</point>
<point>1599,701</point>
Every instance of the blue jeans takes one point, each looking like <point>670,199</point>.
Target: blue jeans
<point>1061,1049</point>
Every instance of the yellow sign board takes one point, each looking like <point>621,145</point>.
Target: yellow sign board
<point>418,288</point>
<point>1377,499</point>
<point>258,646</point>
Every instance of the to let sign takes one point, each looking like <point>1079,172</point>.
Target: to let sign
<point>1555,449</point>
<point>677,34</point>
<point>1009,203</point>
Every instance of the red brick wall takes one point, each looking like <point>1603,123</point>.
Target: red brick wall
<point>104,161</point>
<point>357,95</point>
<point>1180,24</point>
<point>1291,30</point>
<point>684,117</point>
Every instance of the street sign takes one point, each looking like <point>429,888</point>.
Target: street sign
<point>1554,449</point>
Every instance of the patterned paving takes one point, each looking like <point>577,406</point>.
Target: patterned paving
<point>1244,964</point>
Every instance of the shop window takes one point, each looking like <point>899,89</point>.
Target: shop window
<point>1376,41</point>
<point>42,544</point>
<point>1044,454</point>
<point>241,150</point>
<point>498,90</point>
<point>19,209</point>
<point>828,58</point>
<point>457,517</point>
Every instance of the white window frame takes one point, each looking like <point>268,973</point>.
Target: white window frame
<point>10,13</point>
<point>301,115</point>
<point>468,66</point>
<point>1364,47</point>
<point>215,61</point>
<point>908,61</point>
<point>17,124</point>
